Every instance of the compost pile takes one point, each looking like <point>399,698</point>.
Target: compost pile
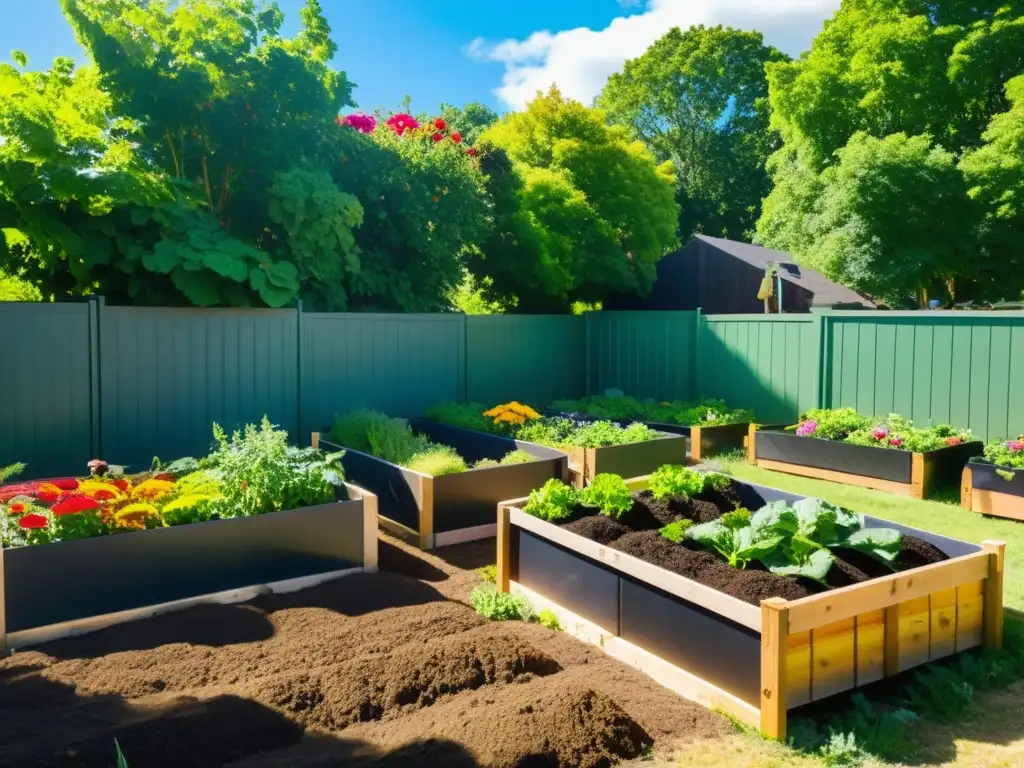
<point>636,533</point>
<point>390,669</point>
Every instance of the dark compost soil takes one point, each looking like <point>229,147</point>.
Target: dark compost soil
<point>636,533</point>
<point>386,670</point>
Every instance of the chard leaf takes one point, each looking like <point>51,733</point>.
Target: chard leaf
<point>883,544</point>
<point>823,522</point>
<point>816,567</point>
<point>775,518</point>
<point>714,536</point>
<point>748,545</point>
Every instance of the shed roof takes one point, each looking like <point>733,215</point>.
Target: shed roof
<point>826,293</point>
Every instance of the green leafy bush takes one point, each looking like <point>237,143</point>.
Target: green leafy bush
<point>676,531</point>
<point>500,606</point>
<point>518,457</point>
<point>610,494</point>
<point>437,460</point>
<point>463,415</point>
<point>1006,453</point>
<point>716,481</point>
<point>895,431</point>
<point>624,408</point>
<point>673,481</point>
<point>547,618</point>
<point>488,573</point>
<point>552,501</point>
<point>393,440</point>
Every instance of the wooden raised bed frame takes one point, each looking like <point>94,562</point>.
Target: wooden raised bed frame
<point>629,460</point>
<point>810,648</point>
<point>986,500</point>
<point>49,591</point>
<point>925,468</point>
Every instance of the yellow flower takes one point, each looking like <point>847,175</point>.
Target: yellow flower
<point>188,501</point>
<point>511,413</point>
<point>100,491</point>
<point>135,515</point>
<point>152,489</point>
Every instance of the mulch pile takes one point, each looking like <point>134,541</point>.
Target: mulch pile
<point>384,670</point>
<point>636,533</point>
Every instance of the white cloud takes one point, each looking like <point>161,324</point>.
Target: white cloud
<point>580,60</point>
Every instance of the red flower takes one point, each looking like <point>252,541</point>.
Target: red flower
<point>456,137</point>
<point>401,123</point>
<point>896,442</point>
<point>437,137</point>
<point>472,152</point>
<point>48,496</point>
<point>440,124</point>
<point>953,441</point>
<point>65,483</point>
<point>33,521</point>
<point>71,505</point>
<point>16,509</point>
<point>162,476</point>
<point>120,483</point>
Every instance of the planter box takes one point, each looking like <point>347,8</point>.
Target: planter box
<point>438,511</point>
<point>54,590</point>
<point>983,490</point>
<point>756,663</point>
<point>904,473</point>
<point>630,460</point>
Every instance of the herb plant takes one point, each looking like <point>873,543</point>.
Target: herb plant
<point>500,606</point>
<point>437,460</point>
<point>464,415</point>
<point>672,481</point>
<point>610,494</point>
<point>676,531</point>
<point>552,501</point>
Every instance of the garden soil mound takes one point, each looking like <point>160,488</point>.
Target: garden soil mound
<point>390,669</point>
<point>637,534</point>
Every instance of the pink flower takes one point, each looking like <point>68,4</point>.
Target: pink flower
<point>807,428</point>
<point>880,432</point>
<point>361,121</point>
<point>402,122</point>
<point>440,124</point>
<point>33,521</point>
<point>1016,446</point>
<point>896,442</point>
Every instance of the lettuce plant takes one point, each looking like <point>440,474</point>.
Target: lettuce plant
<point>552,501</point>
<point>610,494</point>
<point>672,481</point>
<point>740,539</point>
<point>676,531</point>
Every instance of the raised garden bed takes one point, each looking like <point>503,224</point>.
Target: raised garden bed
<point>906,473</point>
<point>629,460</point>
<point>438,511</point>
<point>727,640</point>
<point>992,489</point>
<point>58,589</point>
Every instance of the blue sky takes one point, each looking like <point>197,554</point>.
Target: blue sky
<point>457,52</point>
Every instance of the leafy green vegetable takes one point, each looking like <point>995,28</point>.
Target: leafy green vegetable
<point>610,493</point>
<point>740,537</point>
<point>671,481</point>
<point>676,531</point>
<point>553,501</point>
<point>500,606</point>
<point>548,618</point>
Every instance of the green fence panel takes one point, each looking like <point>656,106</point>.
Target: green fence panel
<point>768,364</point>
<point>964,368</point>
<point>530,358</point>
<point>46,416</point>
<point>397,364</point>
<point>645,354</point>
<point>167,374</point>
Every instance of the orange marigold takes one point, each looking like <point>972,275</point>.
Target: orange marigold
<point>152,489</point>
<point>100,491</point>
<point>135,516</point>
<point>511,413</point>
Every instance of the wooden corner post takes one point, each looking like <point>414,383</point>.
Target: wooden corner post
<point>370,546</point>
<point>967,488</point>
<point>774,663</point>
<point>426,521</point>
<point>751,443</point>
<point>314,440</point>
<point>695,452</point>
<point>504,566</point>
<point>994,593</point>
<point>917,475</point>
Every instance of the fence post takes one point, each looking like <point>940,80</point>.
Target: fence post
<point>96,304</point>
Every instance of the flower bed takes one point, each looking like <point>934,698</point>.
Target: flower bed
<point>81,553</point>
<point>654,588</point>
<point>593,447</point>
<point>891,455</point>
<point>994,485</point>
<point>437,484</point>
<point>711,425</point>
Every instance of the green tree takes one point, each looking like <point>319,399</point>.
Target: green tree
<point>580,211</point>
<point>700,99</point>
<point>470,120</point>
<point>894,68</point>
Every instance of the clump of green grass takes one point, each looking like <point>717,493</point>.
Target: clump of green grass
<point>436,461</point>
<point>488,573</point>
<point>500,606</point>
<point>547,618</point>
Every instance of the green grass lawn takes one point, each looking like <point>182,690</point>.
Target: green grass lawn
<point>947,519</point>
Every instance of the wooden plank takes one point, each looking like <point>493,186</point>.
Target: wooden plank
<point>915,631</point>
<point>725,605</point>
<point>426,513</point>
<point>890,486</point>
<point>966,487</point>
<point>676,679</point>
<point>504,564</point>
<point>970,615</point>
<point>369,525</point>
<point>833,653</point>
<point>774,667</point>
<point>577,465</point>
<point>919,475</point>
<point>695,451</point>
<point>799,669</point>
<point>996,552</point>
<point>997,504</point>
<point>462,535</point>
<point>870,647</point>
<point>752,444</point>
<point>847,602</point>
<point>314,440</point>
<point>891,655</point>
<point>943,623</point>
